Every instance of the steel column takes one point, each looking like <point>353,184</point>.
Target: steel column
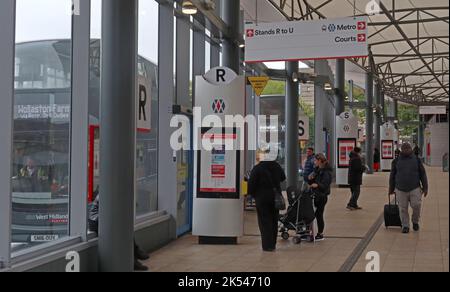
<point>340,87</point>
<point>118,135</point>
<point>292,106</point>
<point>369,122</point>
<point>231,16</point>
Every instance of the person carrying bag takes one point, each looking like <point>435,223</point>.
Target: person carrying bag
<point>264,186</point>
<point>280,203</point>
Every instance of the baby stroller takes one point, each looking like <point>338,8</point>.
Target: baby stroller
<point>299,216</point>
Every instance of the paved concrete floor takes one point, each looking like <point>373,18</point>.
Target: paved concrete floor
<point>424,251</point>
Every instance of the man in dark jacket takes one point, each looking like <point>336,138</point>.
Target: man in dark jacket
<point>409,181</point>
<point>355,175</point>
<point>417,151</point>
<point>266,176</point>
<point>308,168</point>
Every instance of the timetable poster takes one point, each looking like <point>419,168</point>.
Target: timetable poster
<point>387,149</point>
<point>218,166</point>
<point>345,147</point>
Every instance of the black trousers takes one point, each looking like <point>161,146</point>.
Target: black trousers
<point>356,191</point>
<point>320,202</point>
<point>268,222</point>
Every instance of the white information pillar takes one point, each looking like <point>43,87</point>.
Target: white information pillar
<point>346,141</point>
<point>218,216</point>
<point>396,139</point>
<point>389,140</point>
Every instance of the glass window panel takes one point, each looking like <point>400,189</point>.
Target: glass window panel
<point>147,141</point>
<point>42,100</point>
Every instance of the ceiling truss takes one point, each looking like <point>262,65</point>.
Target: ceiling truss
<point>398,85</point>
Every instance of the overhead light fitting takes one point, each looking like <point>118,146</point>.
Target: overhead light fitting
<point>295,77</point>
<point>242,45</point>
<point>328,87</point>
<point>188,8</point>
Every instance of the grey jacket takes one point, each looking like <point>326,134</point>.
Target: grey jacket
<point>408,174</point>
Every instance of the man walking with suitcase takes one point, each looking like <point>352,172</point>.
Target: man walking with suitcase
<point>409,181</point>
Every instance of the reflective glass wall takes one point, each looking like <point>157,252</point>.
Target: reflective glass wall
<point>146,138</point>
<point>41,128</point>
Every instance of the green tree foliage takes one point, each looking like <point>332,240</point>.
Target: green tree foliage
<point>275,87</point>
<point>408,113</point>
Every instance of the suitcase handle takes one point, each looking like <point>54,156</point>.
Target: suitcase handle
<point>389,199</point>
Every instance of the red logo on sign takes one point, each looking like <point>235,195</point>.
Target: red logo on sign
<point>361,38</point>
<point>218,106</point>
<point>218,171</point>
<point>362,25</point>
<point>250,33</point>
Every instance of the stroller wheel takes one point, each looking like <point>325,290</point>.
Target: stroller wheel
<point>297,240</point>
<point>285,235</point>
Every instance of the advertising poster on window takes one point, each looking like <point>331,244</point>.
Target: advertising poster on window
<point>219,167</point>
<point>387,149</point>
<point>345,146</point>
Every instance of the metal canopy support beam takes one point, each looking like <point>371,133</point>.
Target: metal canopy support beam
<point>292,106</point>
<point>222,25</point>
<point>293,10</point>
<point>421,134</point>
<point>7,46</point>
<point>80,121</point>
<point>183,53</point>
<point>378,120</point>
<point>396,110</point>
<point>415,21</point>
<point>427,38</point>
<point>340,87</point>
<point>118,135</point>
<point>215,48</point>
<point>369,122</point>
<point>231,16</point>
<point>414,48</point>
<point>167,171</point>
<point>198,63</point>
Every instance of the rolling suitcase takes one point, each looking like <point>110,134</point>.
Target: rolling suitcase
<point>392,214</point>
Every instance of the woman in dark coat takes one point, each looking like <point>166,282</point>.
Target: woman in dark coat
<point>320,183</point>
<point>264,177</point>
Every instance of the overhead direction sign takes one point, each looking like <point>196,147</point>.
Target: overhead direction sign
<point>307,40</point>
<point>259,84</point>
<point>433,110</point>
